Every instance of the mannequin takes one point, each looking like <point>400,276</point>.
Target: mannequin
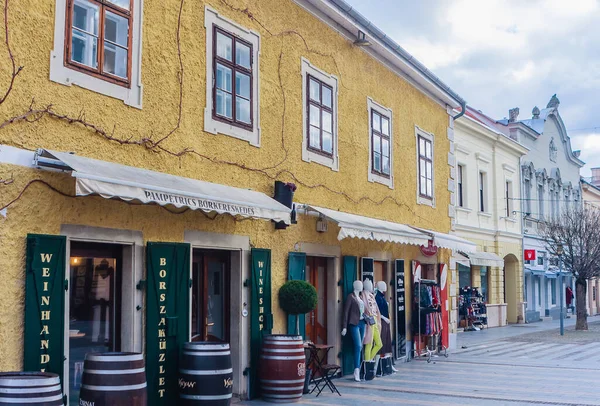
<point>354,309</point>
<point>372,338</point>
<point>386,332</point>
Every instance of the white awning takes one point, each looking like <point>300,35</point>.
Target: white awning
<point>449,241</point>
<point>485,259</point>
<point>368,228</point>
<point>111,180</point>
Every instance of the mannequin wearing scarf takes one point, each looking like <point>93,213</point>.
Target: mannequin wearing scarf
<point>372,340</point>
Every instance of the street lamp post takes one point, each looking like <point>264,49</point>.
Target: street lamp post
<point>559,251</point>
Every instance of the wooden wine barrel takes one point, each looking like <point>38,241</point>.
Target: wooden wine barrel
<point>113,379</point>
<point>205,374</point>
<point>282,368</point>
<point>30,388</point>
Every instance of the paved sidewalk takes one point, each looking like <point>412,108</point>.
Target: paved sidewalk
<point>521,365</point>
<point>470,338</point>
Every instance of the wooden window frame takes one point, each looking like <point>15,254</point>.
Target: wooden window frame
<point>321,107</point>
<point>459,183</point>
<point>99,73</point>
<point>508,185</point>
<point>423,158</point>
<point>381,137</point>
<point>234,69</point>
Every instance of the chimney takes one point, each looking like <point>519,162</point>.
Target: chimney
<point>596,176</point>
<point>513,114</point>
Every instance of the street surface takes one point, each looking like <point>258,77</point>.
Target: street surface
<point>516,365</point>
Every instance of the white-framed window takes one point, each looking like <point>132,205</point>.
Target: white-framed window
<point>508,192</point>
<point>540,258</point>
<point>460,185</point>
<point>79,48</point>
<point>483,205</point>
<point>527,190</point>
<point>319,101</point>
<point>425,175</point>
<point>232,79</point>
<point>541,201</point>
<point>381,152</point>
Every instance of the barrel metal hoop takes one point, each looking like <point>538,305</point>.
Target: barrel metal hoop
<point>114,371</point>
<point>287,350</point>
<point>21,401</point>
<point>40,389</point>
<point>207,354</point>
<point>29,382</point>
<point>207,372</point>
<point>267,342</point>
<point>114,388</point>
<point>281,382</point>
<point>283,389</point>
<point>205,397</point>
<point>281,357</point>
<point>114,358</point>
<point>274,396</point>
<point>188,346</point>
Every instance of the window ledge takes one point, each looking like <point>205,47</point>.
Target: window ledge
<point>484,214</point>
<point>425,201</point>
<point>374,178</point>
<point>463,209</point>
<point>510,219</point>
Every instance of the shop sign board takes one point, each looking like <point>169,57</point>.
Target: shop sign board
<point>45,304</point>
<point>430,250</point>
<point>167,318</point>
<point>400,307</point>
<point>261,317</point>
<point>529,255</point>
<point>367,265</point>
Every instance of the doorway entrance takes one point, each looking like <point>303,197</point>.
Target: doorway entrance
<point>210,295</point>
<point>95,293</point>
<point>316,321</point>
<point>511,278</point>
<point>379,272</point>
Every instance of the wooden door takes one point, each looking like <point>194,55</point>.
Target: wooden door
<point>316,321</point>
<point>210,296</point>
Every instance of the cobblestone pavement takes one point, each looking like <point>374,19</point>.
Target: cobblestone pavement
<point>532,368</point>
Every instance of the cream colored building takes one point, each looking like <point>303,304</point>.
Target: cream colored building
<point>591,198</point>
<point>487,213</point>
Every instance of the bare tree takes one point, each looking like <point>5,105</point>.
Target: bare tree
<point>577,230</point>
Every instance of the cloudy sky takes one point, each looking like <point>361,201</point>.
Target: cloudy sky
<point>499,54</point>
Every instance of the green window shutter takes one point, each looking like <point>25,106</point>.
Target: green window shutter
<point>350,272</point>
<point>261,317</point>
<point>366,269</point>
<point>45,304</point>
<point>400,309</point>
<point>297,271</point>
<point>167,317</point>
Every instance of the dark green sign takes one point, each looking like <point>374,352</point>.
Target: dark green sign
<point>400,311</point>
<point>261,317</point>
<point>45,303</point>
<point>296,272</point>
<point>349,276</point>
<point>167,318</point>
<point>366,269</point>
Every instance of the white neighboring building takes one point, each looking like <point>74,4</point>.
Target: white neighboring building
<point>550,183</point>
<point>591,199</point>
<point>487,196</point>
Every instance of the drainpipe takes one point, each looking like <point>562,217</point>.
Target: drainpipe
<point>523,243</point>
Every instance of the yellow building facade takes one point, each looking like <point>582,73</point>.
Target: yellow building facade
<point>138,89</point>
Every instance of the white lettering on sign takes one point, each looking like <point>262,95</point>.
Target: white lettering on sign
<point>45,315</point>
<point>261,309</point>
<point>162,340</point>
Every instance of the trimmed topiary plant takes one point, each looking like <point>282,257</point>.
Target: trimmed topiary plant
<point>297,297</point>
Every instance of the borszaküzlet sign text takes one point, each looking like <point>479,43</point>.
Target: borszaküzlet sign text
<point>203,204</point>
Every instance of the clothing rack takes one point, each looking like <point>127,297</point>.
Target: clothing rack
<point>434,311</point>
<point>472,307</point>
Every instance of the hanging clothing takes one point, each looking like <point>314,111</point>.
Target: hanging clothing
<point>569,295</point>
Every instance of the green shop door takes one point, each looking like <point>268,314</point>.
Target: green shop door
<point>167,318</point>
